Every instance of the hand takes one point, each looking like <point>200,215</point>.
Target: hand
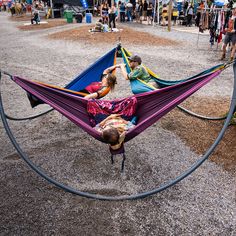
<point>122,65</point>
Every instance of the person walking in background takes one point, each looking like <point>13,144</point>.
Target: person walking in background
<point>175,14</point>
<point>150,13</point>
<point>230,35</point>
<point>164,15</point>
<point>140,11</point>
<point>189,14</point>
<point>201,5</point>
<point>136,11</point>
<point>117,5</point>
<point>104,12</point>
<point>129,9</point>
<point>122,12</point>
<point>145,6</point>
<point>112,16</point>
<point>36,17</point>
<point>198,17</point>
<point>185,7</point>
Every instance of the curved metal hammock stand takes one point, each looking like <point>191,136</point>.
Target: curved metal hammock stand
<point>201,116</point>
<point>126,197</point>
<point>29,117</point>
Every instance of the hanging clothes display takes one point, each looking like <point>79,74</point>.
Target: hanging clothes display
<point>215,20</point>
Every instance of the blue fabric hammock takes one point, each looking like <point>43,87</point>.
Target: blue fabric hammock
<point>94,72</point>
<point>81,81</point>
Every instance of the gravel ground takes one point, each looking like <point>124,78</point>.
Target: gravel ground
<point>202,204</point>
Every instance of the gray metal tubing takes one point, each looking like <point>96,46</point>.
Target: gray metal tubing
<point>201,116</point>
<point>129,197</point>
<point>29,117</point>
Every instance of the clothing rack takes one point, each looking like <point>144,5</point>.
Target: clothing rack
<point>213,10</point>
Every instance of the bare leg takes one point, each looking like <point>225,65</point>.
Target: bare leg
<point>232,54</point>
<point>224,52</point>
<point>154,84</point>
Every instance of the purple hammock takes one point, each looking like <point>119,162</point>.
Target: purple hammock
<point>151,106</point>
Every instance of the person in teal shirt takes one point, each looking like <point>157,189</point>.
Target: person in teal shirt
<point>138,71</point>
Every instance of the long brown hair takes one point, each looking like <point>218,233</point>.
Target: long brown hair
<point>111,81</point>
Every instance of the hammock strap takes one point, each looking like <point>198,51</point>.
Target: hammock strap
<point>112,159</point>
<point>122,163</point>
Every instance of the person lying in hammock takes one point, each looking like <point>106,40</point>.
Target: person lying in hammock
<point>113,130</point>
<point>94,90</point>
<point>102,88</point>
<point>138,71</point>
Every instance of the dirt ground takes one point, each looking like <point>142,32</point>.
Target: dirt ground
<point>26,18</point>
<point>83,34</point>
<point>202,204</point>
<point>126,34</point>
<point>206,130</point>
<point>19,18</point>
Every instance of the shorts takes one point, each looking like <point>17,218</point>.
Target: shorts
<point>230,37</point>
<point>149,13</point>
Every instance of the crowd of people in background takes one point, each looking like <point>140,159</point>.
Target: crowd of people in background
<point>126,12</point>
<point>21,7</point>
<point>187,13</point>
<point>148,11</point>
